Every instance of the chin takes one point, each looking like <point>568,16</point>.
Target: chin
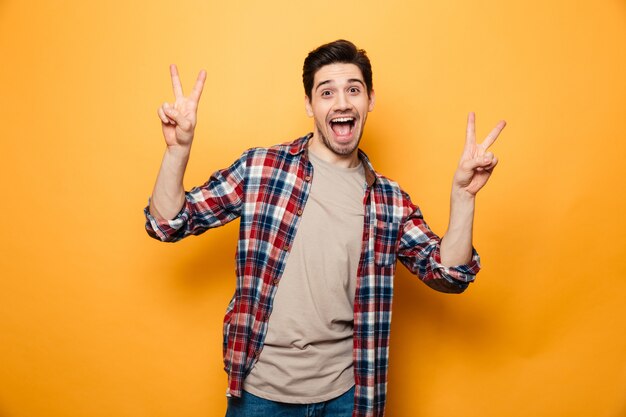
<point>342,149</point>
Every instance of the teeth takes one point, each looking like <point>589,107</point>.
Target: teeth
<point>342,119</point>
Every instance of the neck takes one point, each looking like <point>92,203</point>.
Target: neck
<point>319,149</point>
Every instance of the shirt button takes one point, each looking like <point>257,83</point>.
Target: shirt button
<point>299,213</point>
<point>307,178</point>
<point>275,281</point>
<point>286,247</point>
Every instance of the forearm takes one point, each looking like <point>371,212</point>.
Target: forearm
<point>168,195</point>
<point>456,245</point>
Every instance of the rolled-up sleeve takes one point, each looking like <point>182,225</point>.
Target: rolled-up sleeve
<point>213,204</point>
<point>420,251</point>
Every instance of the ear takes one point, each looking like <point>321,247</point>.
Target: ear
<point>307,106</point>
<point>372,100</point>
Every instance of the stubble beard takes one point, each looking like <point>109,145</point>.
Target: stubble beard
<point>341,151</point>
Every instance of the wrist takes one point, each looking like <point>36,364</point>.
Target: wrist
<point>179,153</point>
<point>462,196</point>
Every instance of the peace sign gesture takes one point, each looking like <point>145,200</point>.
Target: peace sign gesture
<point>477,163</point>
<point>178,119</point>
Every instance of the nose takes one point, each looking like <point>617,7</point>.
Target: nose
<point>342,103</point>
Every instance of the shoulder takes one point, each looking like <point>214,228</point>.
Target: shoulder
<point>281,150</point>
<point>396,202</point>
<point>258,162</point>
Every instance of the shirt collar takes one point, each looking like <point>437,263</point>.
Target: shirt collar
<point>300,145</point>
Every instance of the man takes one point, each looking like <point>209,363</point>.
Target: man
<point>318,223</point>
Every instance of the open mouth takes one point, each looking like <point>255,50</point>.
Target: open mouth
<point>343,126</point>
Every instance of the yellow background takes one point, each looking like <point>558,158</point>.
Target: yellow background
<point>96,319</point>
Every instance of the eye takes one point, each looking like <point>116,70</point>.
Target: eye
<point>326,93</point>
<point>354,90</point>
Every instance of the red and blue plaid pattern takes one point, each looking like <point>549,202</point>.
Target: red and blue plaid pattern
<point>267,188</point>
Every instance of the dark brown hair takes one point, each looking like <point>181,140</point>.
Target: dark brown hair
<point>339,51</point>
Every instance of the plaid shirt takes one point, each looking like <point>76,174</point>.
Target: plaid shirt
<point>267,188</point>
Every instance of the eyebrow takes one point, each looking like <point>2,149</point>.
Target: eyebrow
<point>350,81</point>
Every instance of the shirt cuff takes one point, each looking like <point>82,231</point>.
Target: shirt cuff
<point>163,229</point>
<point>464,273</point>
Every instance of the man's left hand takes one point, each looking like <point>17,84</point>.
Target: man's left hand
<point>477,163</point>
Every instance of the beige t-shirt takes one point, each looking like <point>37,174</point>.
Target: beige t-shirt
<point>307,355</point>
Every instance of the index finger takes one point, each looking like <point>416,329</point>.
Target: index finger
<point>493,135</point>
<point>178,88</point>
<point>197,88</point>
<point>470,135</point>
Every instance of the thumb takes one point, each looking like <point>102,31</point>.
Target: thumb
<point>180,120</point>
<point>480,161</point>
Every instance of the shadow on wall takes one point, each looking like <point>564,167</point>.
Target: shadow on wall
<point>420,312</point>
<point>208,269</point>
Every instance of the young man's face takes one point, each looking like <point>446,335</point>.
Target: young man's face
<point>339,105</point>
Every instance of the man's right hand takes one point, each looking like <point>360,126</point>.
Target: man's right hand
<point>178,120</point>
